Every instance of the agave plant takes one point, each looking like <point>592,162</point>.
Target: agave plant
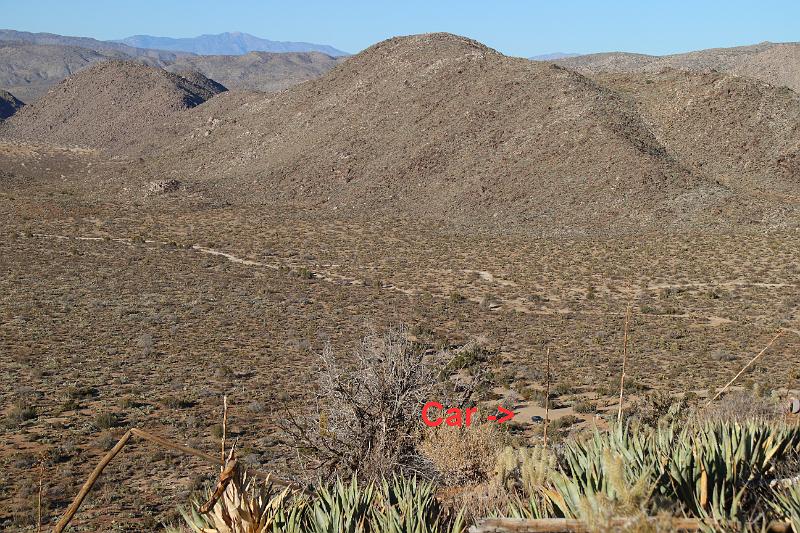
<point>621,468</point>
<point>399,505</point>
<point>341,508</point>
<point>707,470</point>
<point>786,503</point>
<point>247,505</point>
<point>713,470</point>
<point>524,473</point>
<point>408,506</point>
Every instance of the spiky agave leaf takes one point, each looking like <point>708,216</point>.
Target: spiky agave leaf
<point>406,505</point>
<point>341,508</point>
<point>785,502</point>
<point>247,505</point>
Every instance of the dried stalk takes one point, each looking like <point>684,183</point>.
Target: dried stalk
<point>753,360</point>
<point>624,363</point>
<point>160,441</point>
<point>224,428</point>
<point>547,400</point>
<point>39,503</point>
<point>87,486</point>
<point>228,473</point>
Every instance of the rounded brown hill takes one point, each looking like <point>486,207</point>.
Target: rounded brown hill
<point>8,104</point>
<point>739,131</point>
<point>111,105</point>
<point>774,63</point>
<point>443,126</point>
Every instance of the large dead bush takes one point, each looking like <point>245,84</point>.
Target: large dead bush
<point>368,406</point>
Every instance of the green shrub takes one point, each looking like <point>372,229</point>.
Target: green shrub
<point>106,420</point>
<point>21,411</point>
<point>584,407</point>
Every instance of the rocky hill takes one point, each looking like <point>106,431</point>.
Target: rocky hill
<point>439,125</point>
<point>111,105</point>
<point>259,71</point>
<point>738,131</point>
<point>29,70</point>
<point>8,104</point>
<point>775,63</point>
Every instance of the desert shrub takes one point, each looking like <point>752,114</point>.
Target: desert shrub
<point>658,407</point>
<point>462,454</point>
<point>743,406</point>
<point>106,420</point>
<point>305,273</point>
<point>511,400</point>
<point>467,357</point>
<point>456,297</point>
<point>584,407</point>
<point>145,343</point>
<point>564,422</point>
<point>368,412</point>
<point>176,402</point>
<point>217,431</point>
<point>562,388</point>
<point>21,411</point>
<point>81,392</point>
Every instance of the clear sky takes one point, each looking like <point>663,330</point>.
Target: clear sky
<point>514,27</point>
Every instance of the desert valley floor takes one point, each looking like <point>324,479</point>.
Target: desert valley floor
<point>142,313</point>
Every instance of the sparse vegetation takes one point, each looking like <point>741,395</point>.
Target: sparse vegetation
<point>493,241</point>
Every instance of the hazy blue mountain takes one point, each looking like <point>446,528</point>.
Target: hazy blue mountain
<point>52,39</point>
<point>229,43</point>
<point>553,56</point>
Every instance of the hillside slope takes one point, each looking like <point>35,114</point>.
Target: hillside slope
<point>259,71</point>
<point>112,105</point>
<point>442,126</point>
<point>29,70</point>
<point>774,63</point>
<point>8,104</point>
<point>738,131</point>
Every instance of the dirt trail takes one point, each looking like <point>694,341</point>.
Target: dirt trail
<point>516,304</point>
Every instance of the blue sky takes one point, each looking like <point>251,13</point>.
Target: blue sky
<point>514,27</point>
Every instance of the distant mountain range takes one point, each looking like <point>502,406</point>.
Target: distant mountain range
<point>105,47</point>
<point>31,63</point>
<point>552,56</point>
<point>229,43</point>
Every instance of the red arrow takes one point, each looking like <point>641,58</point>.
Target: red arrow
<point>509,415</point>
